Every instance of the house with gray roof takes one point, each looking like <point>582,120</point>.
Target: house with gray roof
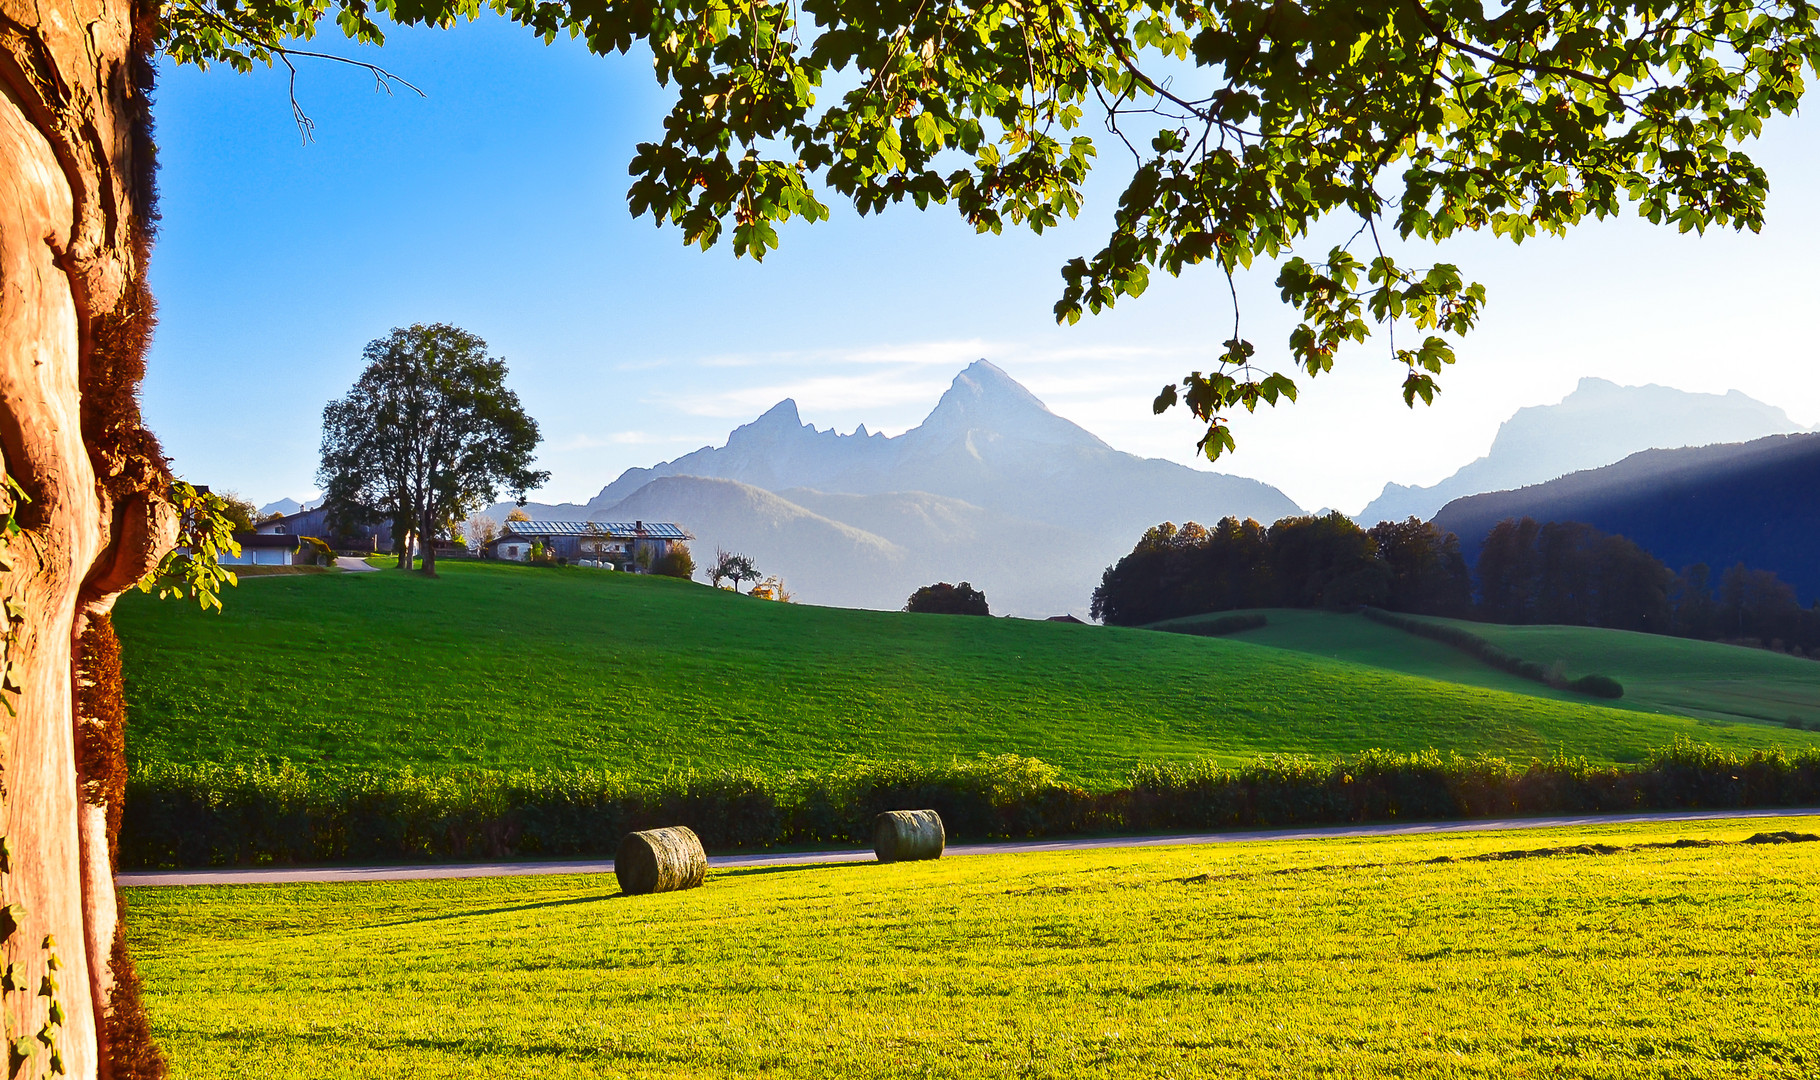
<point>619,545</point>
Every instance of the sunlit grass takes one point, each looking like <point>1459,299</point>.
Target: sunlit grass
<point>1291,959</point>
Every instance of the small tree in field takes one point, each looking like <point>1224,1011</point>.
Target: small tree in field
<point>730,566</point>
<point>945,599</point>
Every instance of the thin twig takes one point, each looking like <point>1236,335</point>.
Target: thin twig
<point>382,79</point>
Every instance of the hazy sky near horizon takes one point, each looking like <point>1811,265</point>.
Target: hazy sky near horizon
<point>497,202</point>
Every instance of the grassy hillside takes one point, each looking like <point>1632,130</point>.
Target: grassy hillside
<point>1693,678</point>
<point>512,666</point>
<point>1660,674</point>
<point>1357,640</point>
<point>1400,957</point>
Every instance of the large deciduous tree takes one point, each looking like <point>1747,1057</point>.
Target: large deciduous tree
<point>1248,123</point>
<point>429,432</point>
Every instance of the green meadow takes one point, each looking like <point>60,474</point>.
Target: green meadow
<point>1355,958</point>
<point>503,666</point>
<point>1693,678</point>
<point>1723,683</point>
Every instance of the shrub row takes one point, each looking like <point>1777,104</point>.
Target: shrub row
<point>227,816</point>
<point>1220,627</point>
<point>1600,686</point>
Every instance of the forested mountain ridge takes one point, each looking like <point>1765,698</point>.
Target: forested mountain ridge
<point>1751,503</point>
<point>1600,423</point>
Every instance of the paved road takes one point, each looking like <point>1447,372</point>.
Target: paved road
<point>728,862</point>
<point>357,565</point>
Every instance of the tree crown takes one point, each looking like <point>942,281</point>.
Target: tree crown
<point>429,432</point>
<point>1248,122</point>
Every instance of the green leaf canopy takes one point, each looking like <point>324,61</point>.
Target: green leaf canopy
<point>1249,123</point>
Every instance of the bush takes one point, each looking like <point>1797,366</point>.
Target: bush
<point>216,815</point>
<point>676,562</point>
<point>314,552</point>
<point>945,599</point>
<point>1602,686</point>
<point>1220,627</point>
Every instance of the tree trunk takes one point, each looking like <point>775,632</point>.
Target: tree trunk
<point>75,196</point>
<point>428,535</point>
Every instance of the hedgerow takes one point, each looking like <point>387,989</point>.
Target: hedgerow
<point>212,815</point>
<point>1600,686</point>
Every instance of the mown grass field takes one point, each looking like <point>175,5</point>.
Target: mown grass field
<point>1356,958</point>
<point>507,666</point>
<point>1660,674</point>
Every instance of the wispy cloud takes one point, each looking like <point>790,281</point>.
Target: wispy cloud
<point>890,388</point>
<point>627,438</point>
<point>957,353</point>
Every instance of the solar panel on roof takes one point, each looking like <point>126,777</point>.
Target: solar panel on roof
<point>652,530</point>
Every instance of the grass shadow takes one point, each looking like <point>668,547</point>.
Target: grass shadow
<point>573,900</point>
<point>754,871</point>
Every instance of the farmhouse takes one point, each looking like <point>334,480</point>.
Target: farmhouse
<point>622,545</point>
<point>263,549</point>
<point>375,536</point>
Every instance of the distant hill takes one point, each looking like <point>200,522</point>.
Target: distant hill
<point>282,507</point>
<point>1751,502</point>
<point>781,536</point>
<point>874,550</point>
<point>1598,424</point>
<point>992,488</point>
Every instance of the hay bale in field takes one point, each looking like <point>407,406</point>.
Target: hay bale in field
<point>902,835</point>
<point>660,860</point>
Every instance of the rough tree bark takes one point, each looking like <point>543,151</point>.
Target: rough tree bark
<point>427,530</point>
<point>76,198</point>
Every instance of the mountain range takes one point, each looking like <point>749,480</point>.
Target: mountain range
<point>1720,505</point>
<point>992,487</point>
<point>995,489</point>
<point>1598,424</point>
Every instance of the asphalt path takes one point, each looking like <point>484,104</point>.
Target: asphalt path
<point>321,874</point>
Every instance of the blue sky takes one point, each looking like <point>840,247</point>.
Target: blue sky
<point>496,202</point>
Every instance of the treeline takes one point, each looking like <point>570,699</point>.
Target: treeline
<point>1304,562</point>
<point>1573,574</point>
<point>225,816</point>
<point>1560,573</point>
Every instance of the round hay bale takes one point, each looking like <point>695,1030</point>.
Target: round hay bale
<point>660,860</point>
<point>903,835</point>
